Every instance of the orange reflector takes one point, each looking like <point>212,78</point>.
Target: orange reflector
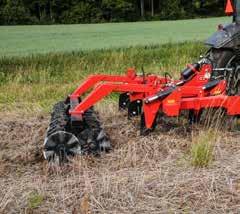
<point>229,8</point>
<point>171,101</point>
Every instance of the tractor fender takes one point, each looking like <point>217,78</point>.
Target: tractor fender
<point>226,37</point>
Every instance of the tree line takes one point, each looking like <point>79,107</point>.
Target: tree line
<point>13,12</point>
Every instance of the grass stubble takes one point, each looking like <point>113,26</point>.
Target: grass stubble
<point>153,174</point>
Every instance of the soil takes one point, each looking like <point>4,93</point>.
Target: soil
<point>149,174</point>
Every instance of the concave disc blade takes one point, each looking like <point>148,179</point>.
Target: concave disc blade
<point>59,142</point>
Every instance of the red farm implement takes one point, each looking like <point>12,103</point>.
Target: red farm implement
<point>212,82</point>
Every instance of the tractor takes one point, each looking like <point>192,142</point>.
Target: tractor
<point>211,82</point>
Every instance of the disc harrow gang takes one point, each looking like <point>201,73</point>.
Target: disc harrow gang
<point>75,128</point>
<point>65,139</point>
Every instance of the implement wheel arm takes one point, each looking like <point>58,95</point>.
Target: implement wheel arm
<point>104,90</point>
<point>130,77</point>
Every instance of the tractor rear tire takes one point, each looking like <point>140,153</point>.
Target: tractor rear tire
<point>221,58</point>
<point>226,58</point>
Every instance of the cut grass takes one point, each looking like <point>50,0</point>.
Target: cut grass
<point>25,40</point>
<point>37,82</point>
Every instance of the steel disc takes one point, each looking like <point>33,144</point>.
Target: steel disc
<point>60,145</point>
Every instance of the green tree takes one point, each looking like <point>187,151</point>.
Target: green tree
<point>82,12</point>
<point>39,10</point>
<point>91,11</point>
<point>189,8</point>
<point>14,13</point>
<point>58,7</point>
<point>172,9</point>
<point>118,10</point>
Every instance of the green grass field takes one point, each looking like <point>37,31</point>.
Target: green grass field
<point>37,82</point>
<point>23,40</point>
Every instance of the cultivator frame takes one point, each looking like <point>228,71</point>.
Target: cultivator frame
<point>144,95</point>
<point>158,93</point>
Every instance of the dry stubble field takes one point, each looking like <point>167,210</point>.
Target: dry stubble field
<point>141,175</point>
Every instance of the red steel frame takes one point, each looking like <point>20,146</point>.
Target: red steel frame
<point>190,96</point>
